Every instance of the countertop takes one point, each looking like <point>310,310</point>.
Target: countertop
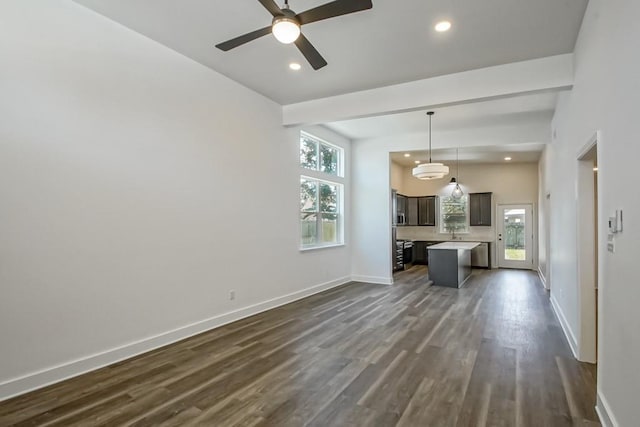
<point>446,241</point>
<point>455,245</point>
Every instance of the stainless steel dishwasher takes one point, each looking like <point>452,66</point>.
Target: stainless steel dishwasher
<point>480,256</point>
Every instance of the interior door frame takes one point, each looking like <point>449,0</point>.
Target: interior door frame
<point>587,249</point>
<point>529,262</point>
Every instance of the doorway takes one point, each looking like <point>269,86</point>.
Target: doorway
<point>587,244</point>
<point>515,236</point>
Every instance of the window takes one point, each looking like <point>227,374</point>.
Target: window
<point>454,215</point>
<point>321,193</point>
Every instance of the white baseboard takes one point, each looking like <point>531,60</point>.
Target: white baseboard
<point>45,377</point>
<point>604,412</point>
<point>542,279</point>
<point>373,279</point>
<point>568,333</point>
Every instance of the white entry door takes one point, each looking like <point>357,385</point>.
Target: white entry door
<point>515,236</point>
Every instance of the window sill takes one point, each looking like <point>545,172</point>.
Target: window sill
<point>313,248</point>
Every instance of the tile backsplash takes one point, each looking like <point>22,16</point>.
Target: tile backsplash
<point>484,234</point>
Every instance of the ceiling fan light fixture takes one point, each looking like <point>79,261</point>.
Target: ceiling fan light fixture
<point>285,29</point>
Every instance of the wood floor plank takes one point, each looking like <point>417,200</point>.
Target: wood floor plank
<point>411,354</point>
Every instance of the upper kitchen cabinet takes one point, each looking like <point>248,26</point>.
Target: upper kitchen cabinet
<point>480,209</point>
<point>419,210</point>
<point>427,210</point>
<point>412,211</point>
<point>401,206</point>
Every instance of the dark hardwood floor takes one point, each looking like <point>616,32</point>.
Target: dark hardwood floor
<point>491,353</point>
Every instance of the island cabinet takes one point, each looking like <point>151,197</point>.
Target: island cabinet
<point>420,251</point>
<point>421,211</point>
<point>480,209</point>
<point>450,263</point>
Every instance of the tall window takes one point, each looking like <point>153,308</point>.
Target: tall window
<point>454,215</point>
<point>321,193</point>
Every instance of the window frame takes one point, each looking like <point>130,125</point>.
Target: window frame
<point>441,205</point>
<point>321,177</point>
<point>319,142</point>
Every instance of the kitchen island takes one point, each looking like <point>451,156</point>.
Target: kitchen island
<point>450,263</point>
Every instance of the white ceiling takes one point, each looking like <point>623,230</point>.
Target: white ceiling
<point>392,43</point>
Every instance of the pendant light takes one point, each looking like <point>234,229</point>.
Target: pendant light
<point>430,170</point>
<point>457,191</point>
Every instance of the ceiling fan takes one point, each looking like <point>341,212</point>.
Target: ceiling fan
<point>286,26</point>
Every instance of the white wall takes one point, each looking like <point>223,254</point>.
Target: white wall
<point>138,187</point>
<point>544,207</point>
<point>510,183</point>
<point>397,176</point>
<point>605,97</point>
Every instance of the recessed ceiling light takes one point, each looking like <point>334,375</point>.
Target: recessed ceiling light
<point>443,26</point>
<point>295,66</point>
<point>417,162</point>
<point>407,155</point>
<point>507,158</point>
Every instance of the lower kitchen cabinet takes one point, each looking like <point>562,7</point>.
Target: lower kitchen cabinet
<point>420,253</point>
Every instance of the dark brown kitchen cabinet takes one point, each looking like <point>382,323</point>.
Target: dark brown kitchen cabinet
<point>480,209</point>
<point>420,211</point>
<point>420,252</point>
<point>427,210</point>
<point>412,211</point>
<point>401,209</point>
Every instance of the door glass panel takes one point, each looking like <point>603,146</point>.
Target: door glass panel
<point>514,235</point>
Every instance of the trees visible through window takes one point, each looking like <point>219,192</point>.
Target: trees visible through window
<point>454,215</point>
<point>320,198</point>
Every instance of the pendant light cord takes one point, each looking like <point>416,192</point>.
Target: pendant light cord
<point>430,113</point>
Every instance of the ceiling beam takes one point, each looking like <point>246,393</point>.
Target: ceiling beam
<point>544,74</point>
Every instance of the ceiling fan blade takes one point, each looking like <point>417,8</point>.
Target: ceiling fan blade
<point>330,10</point>
<point>313,56</point>
<point>246,38</point>
<point>271,6</point>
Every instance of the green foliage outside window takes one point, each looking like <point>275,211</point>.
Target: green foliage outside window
<point>454,215</point>
<point>319,199</point>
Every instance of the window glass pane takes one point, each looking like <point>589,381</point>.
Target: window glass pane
<point>308,153</point>
<point>328,198</point>
<point>514,222</point>
<point>308,228</point>
<point>328,159</point>
<point>454,215</point>
<point>308,195</point>
<point>329,228</point>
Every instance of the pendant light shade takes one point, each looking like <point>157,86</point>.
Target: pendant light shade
<point>457,192</point>
<point>430,170</point>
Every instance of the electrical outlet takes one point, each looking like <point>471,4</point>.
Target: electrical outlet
<point>232,295</point>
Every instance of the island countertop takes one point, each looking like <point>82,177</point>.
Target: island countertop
<point>455,245</point>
